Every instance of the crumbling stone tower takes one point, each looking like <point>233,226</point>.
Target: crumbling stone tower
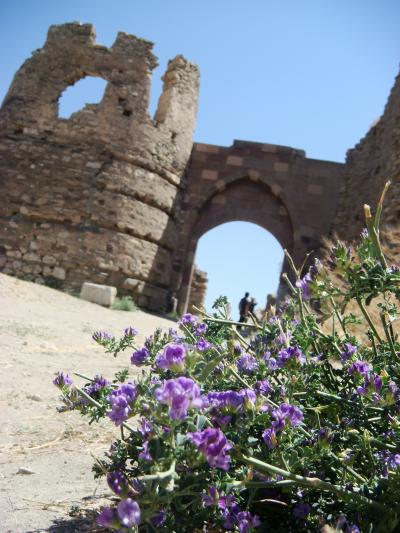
<point>93,197</point>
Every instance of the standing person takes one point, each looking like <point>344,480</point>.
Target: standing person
<point>252,305</point>
<point>244,306</point>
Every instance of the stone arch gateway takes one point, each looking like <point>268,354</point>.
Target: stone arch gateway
<point>273,186</point>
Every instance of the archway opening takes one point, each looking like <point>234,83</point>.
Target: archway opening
<point>89,90</point>
<point>239,257</point>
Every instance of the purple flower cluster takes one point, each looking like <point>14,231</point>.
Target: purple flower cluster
<point>270,361</point>
<point>121,401</point>
<point>127,514</point>
<point>243,520</point>
<point>304,285</point>
<point>372,386</point>
<point>130,332</point>
<point>139,357</point>
<point>292,353</point>
<point>202,345</point>
<point>102,337</point>
<point>360,367</point>
<point>201,329</point>
<point>62,380</point>
<point>348,351</point>
<point>159,518</point>
<point>247,363</point>
<point>180,394</point>
<point>227,401</point>
<point>188,320</point>
<point>145,453</point>
<point>117,482</point>
<point>213,444</point>
<point>97,384</point>
<point>284,414</point>
<point>262,387</point>
<point>172,358</point>
<point>215,498</point>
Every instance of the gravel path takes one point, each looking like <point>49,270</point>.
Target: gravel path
<point>46,457</point>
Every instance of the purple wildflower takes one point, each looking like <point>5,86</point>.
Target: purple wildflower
<point>348,351</point>
<point>270,439</point>
<point>243,520</point>
<point>107,518</point>
<point>215,498</point>
<point>139,357</point>
<point>249,398</point>
<point>97,384</point>
<point>201,329</point>
<point>247,363</point>
<point>159,518</point>
<point>62,380</point>
<point>304,285</point>
<point>129,512</point>
<point>361,367</point>
<point>174,335</point>
<point>293,353</point>
<point>228,400</point>
<point>393,461</point>
<point>211,497</point>
<point>213,444</point>
<point>102,337</point>
<point>130,332</point>
<point>286,413</point>
<point>301,510</point>
<point>117,482</point>
<point>180,394</point>
<point>202,345</point>
<point>372,385</point>
<point>188,319</point>
<point>172,358</point>
<point>237,349</point>
<point>121,400</point>
<point>145,427</point>
<point>145,454</point>
<point>262,387</point>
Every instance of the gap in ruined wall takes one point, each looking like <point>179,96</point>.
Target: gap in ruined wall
<point>156,87</point>
<point>86,91</point>
<point>238,257</point>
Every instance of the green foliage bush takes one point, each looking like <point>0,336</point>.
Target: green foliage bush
<point>293,429</point>
<point>124,303</point>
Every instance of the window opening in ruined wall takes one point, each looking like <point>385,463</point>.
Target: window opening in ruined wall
<point>239,257</point>
<point>89,90</point>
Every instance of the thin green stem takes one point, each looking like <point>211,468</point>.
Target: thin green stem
<point>161,475</point>
<point>388,336</point>
<point>314,483</point>
<point>368,319</point>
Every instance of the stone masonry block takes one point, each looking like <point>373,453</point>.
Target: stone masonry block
<point>98,294</point>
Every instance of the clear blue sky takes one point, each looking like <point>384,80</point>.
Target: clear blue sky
<point>312,74</point>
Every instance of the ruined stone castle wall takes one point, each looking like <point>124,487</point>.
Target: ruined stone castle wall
<point>93,198</point>
<point>374,160</point>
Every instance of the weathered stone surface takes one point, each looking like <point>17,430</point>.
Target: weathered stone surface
<point>198,290</point>
<point>93,197</point>
<point>98,294</point>
<point>373,161</point>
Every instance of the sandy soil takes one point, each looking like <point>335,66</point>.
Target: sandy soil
<point>41,331</point>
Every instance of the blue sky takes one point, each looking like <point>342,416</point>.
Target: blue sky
<point>312,74</point>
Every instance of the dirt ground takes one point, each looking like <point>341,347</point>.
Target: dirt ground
<point>46,456</point>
